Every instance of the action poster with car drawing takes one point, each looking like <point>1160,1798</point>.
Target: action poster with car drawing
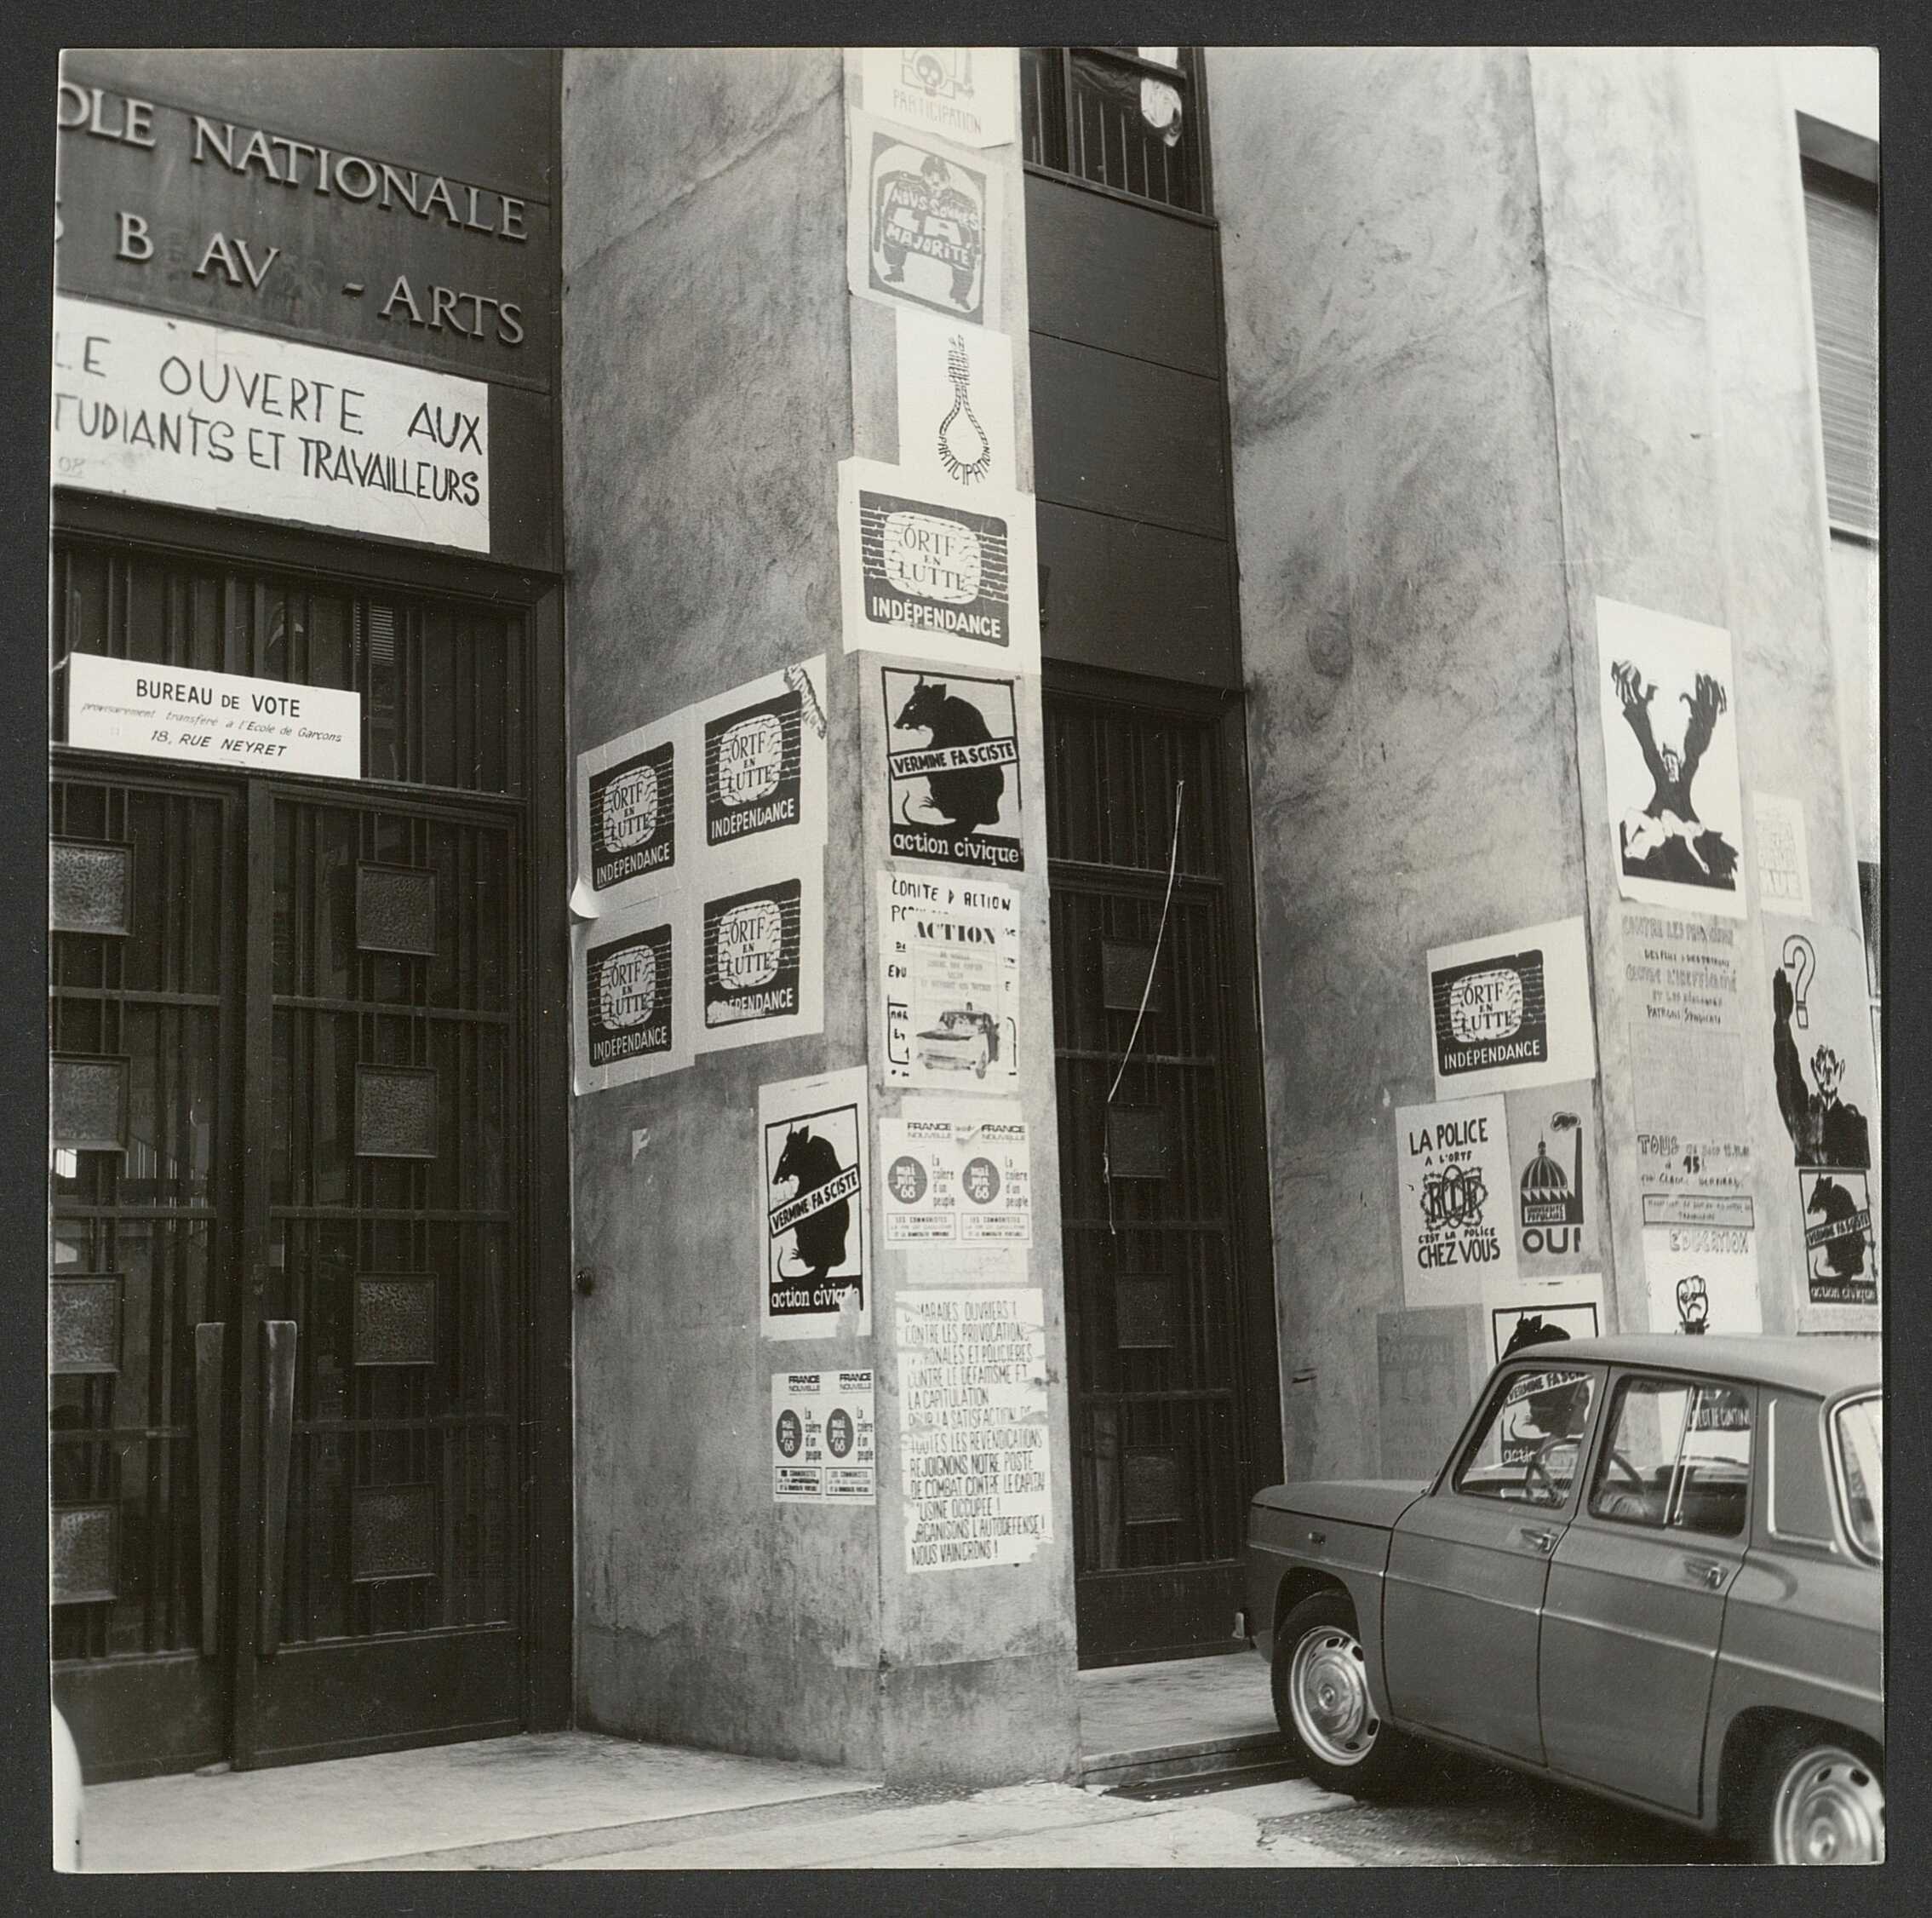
<point>950,975</point>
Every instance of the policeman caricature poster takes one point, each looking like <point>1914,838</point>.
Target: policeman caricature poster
<point>1821,1064</point>
<point>815,1207</point>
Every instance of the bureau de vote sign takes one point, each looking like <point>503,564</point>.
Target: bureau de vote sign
<point>155,408</point>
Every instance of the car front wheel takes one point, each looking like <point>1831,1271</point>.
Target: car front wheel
<point>1322,1701</point>
<point>1817,1802</point>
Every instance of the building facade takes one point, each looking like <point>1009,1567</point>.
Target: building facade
<point>835,831</point>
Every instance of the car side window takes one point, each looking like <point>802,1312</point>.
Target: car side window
<point>1678,1457</point>
<point>1527,1449</point>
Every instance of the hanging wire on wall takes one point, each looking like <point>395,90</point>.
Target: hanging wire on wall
<point>1146,993</point>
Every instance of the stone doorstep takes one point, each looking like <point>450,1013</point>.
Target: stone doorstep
<point>1186,1759</point>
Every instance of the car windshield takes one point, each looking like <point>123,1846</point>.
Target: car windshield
<point>1861,1471</point>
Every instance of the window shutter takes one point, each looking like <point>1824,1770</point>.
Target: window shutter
<point>1842,228</point>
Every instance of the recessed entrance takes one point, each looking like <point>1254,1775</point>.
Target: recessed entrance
<point>1170,1297</point>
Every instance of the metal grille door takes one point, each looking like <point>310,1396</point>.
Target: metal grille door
<point>288,1299</point>
<point>1159,1317</point>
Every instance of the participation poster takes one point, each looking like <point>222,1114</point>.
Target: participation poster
<point>1668,698</point>
<point>955,386</point>
<point>963,93</point>
<point>814,1207</point>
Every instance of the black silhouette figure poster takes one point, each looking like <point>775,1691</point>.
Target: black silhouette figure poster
<point>953,769</point>
<point>1455,1201</point>
<point>1821,1064</point>
<point>1667,695</point>
<point>955,403</point>
<point>922,222</point>
<point>814,1207</point>
<point>1548,1312</point>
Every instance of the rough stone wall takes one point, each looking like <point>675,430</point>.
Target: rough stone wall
<point>1506,331</point>
<point>707,402</point>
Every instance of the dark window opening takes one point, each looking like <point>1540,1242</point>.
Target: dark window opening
<point>1841,225</point>
<point>1127,117</point>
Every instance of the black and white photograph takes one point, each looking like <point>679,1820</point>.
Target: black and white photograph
<point>960,958</point>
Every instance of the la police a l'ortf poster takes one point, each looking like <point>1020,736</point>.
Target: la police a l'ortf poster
<point>1667,692</point>
<point>1452,1172</point>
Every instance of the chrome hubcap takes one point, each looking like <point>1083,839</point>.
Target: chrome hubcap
<point>1830,1810</point>
<point>1328,1697</point>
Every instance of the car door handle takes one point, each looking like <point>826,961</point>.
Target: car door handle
<point>1536,1540</point>
<point>1707,1571</point>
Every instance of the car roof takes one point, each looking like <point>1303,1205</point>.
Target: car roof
<point>1823,1364</point>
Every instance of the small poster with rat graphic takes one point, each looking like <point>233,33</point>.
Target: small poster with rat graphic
<point>1823,1066</point>
<point>955,403</point>
<point>953,769</point>
<point>814,1207</point>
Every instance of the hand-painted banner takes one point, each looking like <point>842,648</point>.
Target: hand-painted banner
<point>222,420</point>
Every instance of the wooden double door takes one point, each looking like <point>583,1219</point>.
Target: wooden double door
<point>290,1292</point>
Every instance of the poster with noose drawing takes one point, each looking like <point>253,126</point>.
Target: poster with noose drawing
<point>955,403</point>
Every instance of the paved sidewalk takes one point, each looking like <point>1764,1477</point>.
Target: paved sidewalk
<point>437,1806</point>
<point>1011,1827</point>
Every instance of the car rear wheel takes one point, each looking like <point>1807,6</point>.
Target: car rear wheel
<point>1816,1802</point>
<point>1323,1700</point>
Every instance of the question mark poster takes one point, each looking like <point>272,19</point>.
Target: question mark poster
<point>1827,1081</point>
<point>1454,1201</point>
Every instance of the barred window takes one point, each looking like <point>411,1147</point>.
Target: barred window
<point>1842,230</point>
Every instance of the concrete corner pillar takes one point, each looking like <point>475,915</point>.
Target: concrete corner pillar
<point>716,370</point>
